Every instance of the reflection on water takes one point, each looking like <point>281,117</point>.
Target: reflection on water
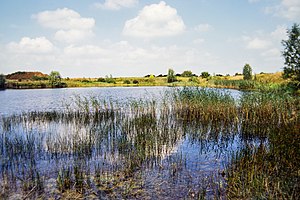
<point>17,101</point>
<point>104,149</point>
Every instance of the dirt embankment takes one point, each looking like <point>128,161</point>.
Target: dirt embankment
<point>25,75</point>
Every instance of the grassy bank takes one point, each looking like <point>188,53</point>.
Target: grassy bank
<point>262,82</point>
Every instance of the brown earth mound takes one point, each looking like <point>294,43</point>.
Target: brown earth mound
<point>25,75</point>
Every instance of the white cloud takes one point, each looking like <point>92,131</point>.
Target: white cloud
<point>116,4</point>
<point>39,45</point>
<point>280,33</point>
<point>273,53</point>
<point>289,9</point>
<point>86,51</point>
<point>253,1</point>
<point>262,40</point>
<point>72,36</point>
<point>199,41</point>
<point>64,19</point>
<point>156,20</point>
<point>203,27</point>
<point>70,26</point>
<point>257,43</point>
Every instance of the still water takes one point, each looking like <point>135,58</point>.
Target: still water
<point>139,156</point>
<point>18,101</point>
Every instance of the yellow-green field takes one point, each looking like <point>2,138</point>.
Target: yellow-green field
<point>260,81</point>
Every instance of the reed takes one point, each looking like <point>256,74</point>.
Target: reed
<point>131,142</point>
<point>267,171</point>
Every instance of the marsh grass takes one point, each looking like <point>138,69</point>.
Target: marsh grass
<point>111,150</point>
<point>267,171</point>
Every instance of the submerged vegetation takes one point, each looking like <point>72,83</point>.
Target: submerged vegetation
<point>244,147</point>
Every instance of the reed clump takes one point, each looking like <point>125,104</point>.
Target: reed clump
<point>205,105</point>
<point>260,112</point>
<point>267,171</point>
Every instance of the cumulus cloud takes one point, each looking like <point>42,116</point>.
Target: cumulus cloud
<point>272,54</point>
<point>63,19</point>
<point>70,26</point>
<point>156,20</point>
<point>26,45</point>
<point>72,36</point>
<point>203,27</point>
<point>263,40</point>
<point>257,43</point>
<point>280,33</point>
<point>289,9</point>
<point>116,4</point>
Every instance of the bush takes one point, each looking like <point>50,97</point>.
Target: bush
<point>110,79</point>
<point>101,80</point>
<point>85,81</point>
<point>205,74</point>
<point>135,82</point>
<point>126,82</point>
<point>187,74</point>
<point>194,79</point>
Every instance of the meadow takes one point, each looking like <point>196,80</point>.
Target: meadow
<point>262,82</point>
<point>192,143</point>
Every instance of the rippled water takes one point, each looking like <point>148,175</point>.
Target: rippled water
<point>175,160</point>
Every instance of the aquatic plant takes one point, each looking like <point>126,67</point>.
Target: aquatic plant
<point>133,147</point>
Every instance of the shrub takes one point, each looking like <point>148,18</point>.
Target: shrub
<point>110,79</point>
<point>187,74</point>
<point>85,81</point>
<point>194,79</point>
<point>135,82</point>
<point>126,82</point>
<point>101,80</point>
<point>205,74</point>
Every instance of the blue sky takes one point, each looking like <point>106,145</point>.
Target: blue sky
<point>94,38</point>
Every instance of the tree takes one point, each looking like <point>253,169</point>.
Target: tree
<point>171,76</point>
<point>187,74</point>
<point>205,74</point>
<point>291,53</point>
<point>2,81</point>
<point>55,79</point>
<point>247,72</point>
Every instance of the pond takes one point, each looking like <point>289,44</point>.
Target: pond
<point>17,101</point>
<point>114,143</point>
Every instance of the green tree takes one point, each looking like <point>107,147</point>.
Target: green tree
<point>205,74</point>
<point>247,72</point>
<point>291,53</point>
<point>55,79</point>
<point>2,81</point>
<point>171,76</point>
<point>187,74</point>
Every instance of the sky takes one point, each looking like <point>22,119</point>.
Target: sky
<point>95,38</point>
